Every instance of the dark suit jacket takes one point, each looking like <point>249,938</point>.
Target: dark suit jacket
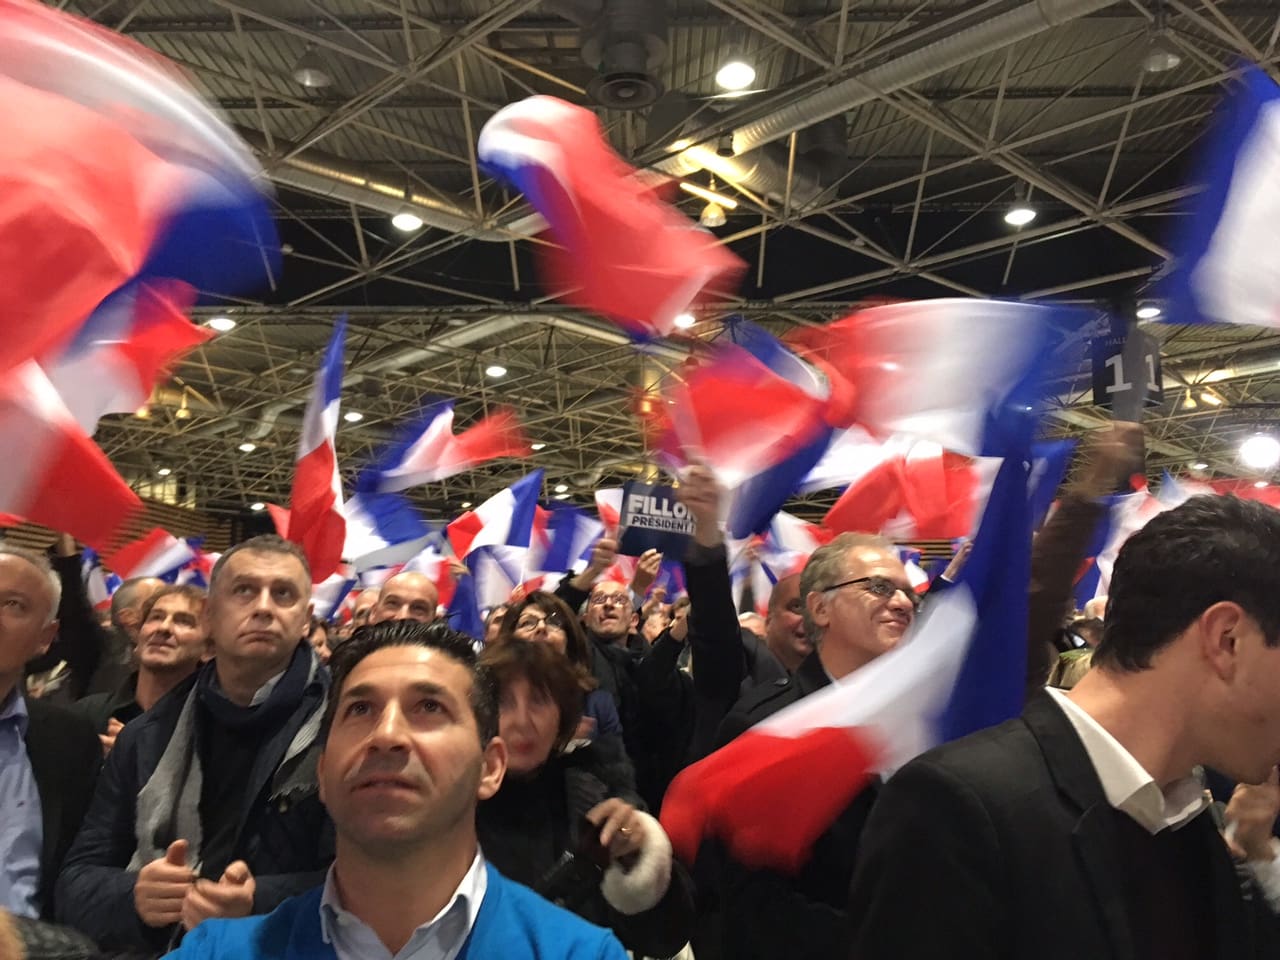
<point>767,914</point>
<point>1002,844</point>
<point>65,756</point>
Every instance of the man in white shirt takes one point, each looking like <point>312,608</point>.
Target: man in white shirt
<point>411,748</point>
<point>1079,829</point>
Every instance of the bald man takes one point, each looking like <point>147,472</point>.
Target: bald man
<point>406,596</point>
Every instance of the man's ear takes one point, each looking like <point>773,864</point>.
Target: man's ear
<point>493,769</point>
<point>47,633</point>
<point>819,606</point>
<point>1218,629</point>
<point>320,775</point>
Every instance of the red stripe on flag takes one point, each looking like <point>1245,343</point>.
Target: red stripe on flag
<point>314,521</point>
<point>768,798</point>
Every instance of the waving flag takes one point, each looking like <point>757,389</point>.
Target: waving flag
<point>626,255</point>
<point>505,519</point>
<point>434,563</point>
<point>431,451</point>
<point>569,537</point>
<point>114,170</point>
<point>1227,249</point>
<point>158,554</point>
<point>382,529</point>
<point>114,371</point>
<point>327,596</point>
<point>926,494</point>
<point>960,669</point>
<point>316,519</point>
<point>609,507</point>
<point>54,474</point>
<point>98,584</point>
<point>956,372</point>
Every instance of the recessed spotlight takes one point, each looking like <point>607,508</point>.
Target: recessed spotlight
<point>1148,311</point>
<point>537,446</point>
<point>143,412</point>
<point>164,472</point>
<point>1260,452</point>
<point>247,447</point>
<point>353,416</point>
<point>495,370</point>
<point>685,320</point>
<point>562,496</point>
<point>221,324</point>
<point>1200,466</point>
<point>735,75</point>
<point>1260,484</point>
<point>257,506</point>
<point>406,221</point>
<point>562,488</point>
<point>466,504</point>
<point>1019,215</point>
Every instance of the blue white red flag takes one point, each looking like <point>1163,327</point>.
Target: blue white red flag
<point>98,584</point>
<point>431,451</point>
<point>1226,252</point>
<point>623,253</point>
<point>960,668</point>
<point>61,479</point>
<point>158,554</point>
<point>505,519</point>
<point>316,519</point>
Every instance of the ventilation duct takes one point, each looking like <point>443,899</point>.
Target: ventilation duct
<point>625,42</point>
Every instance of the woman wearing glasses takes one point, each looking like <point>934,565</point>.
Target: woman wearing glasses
<point>544,618</point>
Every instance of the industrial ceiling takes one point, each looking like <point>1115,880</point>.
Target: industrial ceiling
<point>874,156</point>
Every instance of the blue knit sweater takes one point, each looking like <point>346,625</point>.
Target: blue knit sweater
<point>513,922</point>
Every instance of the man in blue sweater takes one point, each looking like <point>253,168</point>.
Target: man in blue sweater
<point>411,747</point>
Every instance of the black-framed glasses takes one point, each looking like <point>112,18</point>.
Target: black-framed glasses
<point>617,599</point>
<point>881,587</point>
<point>531,621</point>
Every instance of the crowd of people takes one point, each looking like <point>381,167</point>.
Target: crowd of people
<point>218,773</point>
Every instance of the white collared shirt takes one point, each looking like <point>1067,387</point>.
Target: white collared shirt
<point>1128,787</point>
<point>440,938</point>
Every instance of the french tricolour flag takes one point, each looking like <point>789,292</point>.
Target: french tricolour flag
<point>98,584</point>
<point>623,252</point>
<point>327,595</point>
<point>505,519</point>
<point>431,451</point>
<point>316,519</point>
<point>158,554</point>
<point>1227,249</point>
<point>55,475</point>
<point>382,530</point>
<point>114,364</point>
<point>116,171</point>
<point>961,668</point>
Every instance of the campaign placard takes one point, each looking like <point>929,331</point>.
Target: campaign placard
<point>653,519</point>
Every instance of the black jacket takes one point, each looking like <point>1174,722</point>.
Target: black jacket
<point>120,704</point>
<point>728,661</point>
<point>286,838</point>
<point>530,823</point>
<point>768,914</point>
<point>89,651</point>
<point>1002,844</point>
<point>65,756</point>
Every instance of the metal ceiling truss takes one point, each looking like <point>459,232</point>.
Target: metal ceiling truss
<point>1065,112</point>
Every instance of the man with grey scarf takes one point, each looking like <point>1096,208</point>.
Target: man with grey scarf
<point>207,806</point>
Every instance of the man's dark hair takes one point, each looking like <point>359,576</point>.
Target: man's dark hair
<point>437,635</point>
<point>1208,550</point>
<point>264,543</point>
<point>194,596</point>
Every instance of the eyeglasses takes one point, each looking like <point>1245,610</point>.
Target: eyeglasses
<point>881,587</point>
<point>531,621</point>
<point>600,599</point>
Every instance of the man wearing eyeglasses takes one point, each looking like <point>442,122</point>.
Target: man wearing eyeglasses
<point>857,605</point>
